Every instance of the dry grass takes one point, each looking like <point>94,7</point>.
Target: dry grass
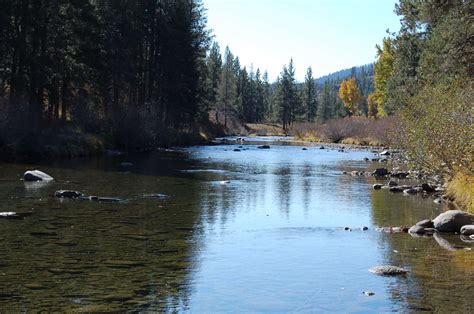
<point>354,130</point>
<point>462,188</point>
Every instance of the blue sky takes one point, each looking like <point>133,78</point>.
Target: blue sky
<point>328,35</point>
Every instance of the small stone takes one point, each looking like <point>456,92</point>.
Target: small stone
<point>427,188</point>
<point>224,182</point>
<point>304,148</point>
<point>365,228</point>
<point>425,223</point>
<point>368,293</point>
<point>467,230</point>
<point>36,175</point>
<point>236,150</point>
<point>67,194</point>
<point>416,230</point>
<point>321,147</point>
<point>377,186</point>
<point>347,229</point>
<point>380,172</point>
<point>264,147</point>
<point>410,191</point>
<point>392,183</point>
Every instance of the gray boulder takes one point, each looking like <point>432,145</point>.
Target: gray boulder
<point>36,175</point>
<point>453,221</point>
<point>67,194</point>
<point>467,230</point>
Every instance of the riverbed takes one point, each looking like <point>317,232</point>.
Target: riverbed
<point>210,229</point>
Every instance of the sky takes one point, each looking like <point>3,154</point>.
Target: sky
<point>328,35</point>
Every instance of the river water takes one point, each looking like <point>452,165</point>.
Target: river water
<point>272,239</point>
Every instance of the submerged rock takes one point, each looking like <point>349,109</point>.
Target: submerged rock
<point>368,293</point>
<point>264,147</point>
<point>14,215</point>
<point>453,221</point>
<point>388,270</point>
<point>68,194</point>
<point>236,150</point>
<point>467,230</point>
<point>36,175</point>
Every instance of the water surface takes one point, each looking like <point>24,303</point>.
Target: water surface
<point>270,240</point>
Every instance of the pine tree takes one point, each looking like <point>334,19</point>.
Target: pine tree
<point>309,96</point>
<point>226,95</point>
<point>287,99</point>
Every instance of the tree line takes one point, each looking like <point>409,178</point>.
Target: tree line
<point>110,67</point>
<point>249,96</point>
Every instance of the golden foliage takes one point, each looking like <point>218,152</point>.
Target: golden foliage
<point>350,96</point>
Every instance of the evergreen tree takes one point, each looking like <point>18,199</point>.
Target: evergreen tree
<point>287,99</point>
<point>226,95</point>
<point>309,96</point>
<point>214,66</point>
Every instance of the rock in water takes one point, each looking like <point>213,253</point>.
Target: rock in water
<point>425,223</point>
<point>264,147</point>
<point>368,293</point>
<point>36,175</point>
<point>380,172</point>
<point>388,270</point>
<point>453,221</point>
<point>68,194</point>
<point>467,230</point>
<point>385,153</point>
<point>377,186</point>
<point>416,230</point>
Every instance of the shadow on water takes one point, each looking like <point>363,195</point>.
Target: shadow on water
<point>270,238</point>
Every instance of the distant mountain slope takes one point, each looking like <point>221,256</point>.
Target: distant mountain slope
<point>367,69</point>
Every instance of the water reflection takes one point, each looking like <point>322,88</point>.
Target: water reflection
<point>272,240</point>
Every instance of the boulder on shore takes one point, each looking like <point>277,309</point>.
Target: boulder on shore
<point>453,221</point>
<point>467,230</point>
<point>36,175</point>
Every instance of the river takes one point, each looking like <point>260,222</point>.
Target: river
<point>271,238</point>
